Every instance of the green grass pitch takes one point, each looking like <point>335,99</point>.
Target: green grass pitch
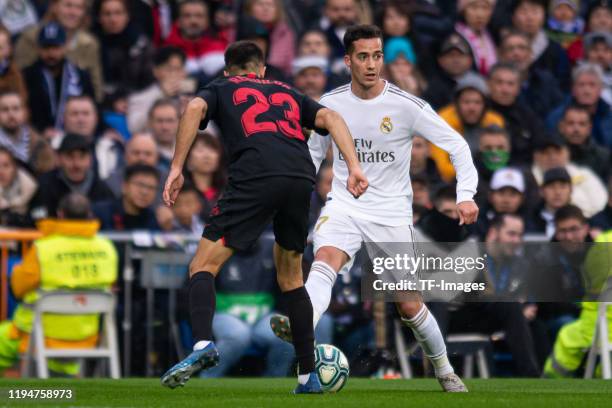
<point>249,392</point>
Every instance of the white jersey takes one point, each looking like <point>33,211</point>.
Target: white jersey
<point>382,129</point>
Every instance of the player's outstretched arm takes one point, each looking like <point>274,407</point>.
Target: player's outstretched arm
<point>357,183</point>
<point>188,127</point>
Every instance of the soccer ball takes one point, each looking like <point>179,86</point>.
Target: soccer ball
<point>332,367</point>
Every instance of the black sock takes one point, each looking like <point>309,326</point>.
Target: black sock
<point>202,302</point>
<point>300,319</point>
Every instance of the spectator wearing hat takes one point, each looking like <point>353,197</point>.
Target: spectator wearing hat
<point>529,17</point>
<point>10,75</point>
<point>271,14</point>
<point>26,145</point>
<point>454,60</point>
<point>170,75</point>
<point>134,209</point>
<point>468,112</point>
<point>556,191</point>
<point>474,17</point>
<point>588,191</point>
<point>540,90</point>
<point>506,196</point>
<point>599,51</point>
<point>81,47</point>
<point>74,174</point>
<point>522,123</point>
<point>52,79</point>
<point>192,33</point>
<point>401,66</point>
<point>309,75</point>
<point>587,88</point>
<point>575,128</point>
<point>564,22</point>
<point>314,42</point>
<point>598,20</point>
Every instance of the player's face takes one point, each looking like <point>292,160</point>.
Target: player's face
<point>365,62</point>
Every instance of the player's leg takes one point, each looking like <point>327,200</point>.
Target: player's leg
<point>208,260</point>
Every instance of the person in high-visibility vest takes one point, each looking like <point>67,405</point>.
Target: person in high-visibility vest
<point>69,256</point>
<point>575,338</point>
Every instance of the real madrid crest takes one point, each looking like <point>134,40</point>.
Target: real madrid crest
<point>386,126</point>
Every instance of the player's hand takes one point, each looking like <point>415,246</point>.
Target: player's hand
<point>468,212</point>
<point>173,185</point>
<point>357,183</point>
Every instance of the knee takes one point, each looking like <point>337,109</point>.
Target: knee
<point>409,309</point>
<point>333,257</point>
<point>198,265</point>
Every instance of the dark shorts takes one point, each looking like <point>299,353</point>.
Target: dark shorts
<point>247,208</point>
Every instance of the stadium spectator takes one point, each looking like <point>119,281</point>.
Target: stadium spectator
<point>440,224</point>
<point>396,22</point>
<point>598,20</point>
<point>575,127</point>
<point>19,138</point>
<point>163,124</point>
<point>186,211</point>
<point>556,190</point>
<point>52,79</point>
<point>252,30</point>
<point>529,17</point>
<point>192,33</point>
<point>314,42</point>
<point>10,75</point>
<point>540,90</point>
<point>206,170</point>
<point>599,51</point>
<point>588,191</point>
<point>523,124</point>
<point>338,15</point>
<point>473,18</point>
<point>81,117</point>
<point>454,60</point>
<point>602,221</point>
<point>122,40</point>
<point>468,112</point>
<point>564,23</point>
<point>74,174</point>
<point>246,296</point>
<point>17,187</point>
<point>587,88</point>
<point>400,66</point>
<point>81,47</point>
<point>140,149</point>
<point>507,192</point>
<point>576,337</point>
<point>134,210</point>
<point>421,195</point>
<point>69,256</point>
<point>323,187</point>
<point>169,72</point>
<point>309,75</point>
<point>271,13</point>
<point>421,164</point>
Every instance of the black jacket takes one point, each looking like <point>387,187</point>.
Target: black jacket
<point>440,90</point>
<point>592,155</point>
<point>113,217</point>
<point>541,92</point>
<point>42,112</point>
<point>52,188</point>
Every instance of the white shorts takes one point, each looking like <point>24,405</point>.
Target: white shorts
<point>337,229</point>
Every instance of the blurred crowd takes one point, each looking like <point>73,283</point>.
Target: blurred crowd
<point>91,93</point>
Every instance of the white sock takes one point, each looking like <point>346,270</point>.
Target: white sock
<point>426,330</point>
<point>319,286</point>
<point>303,378</point>
<point>201,344</point>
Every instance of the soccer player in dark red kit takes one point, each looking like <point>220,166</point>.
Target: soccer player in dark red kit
<point>271,178</point>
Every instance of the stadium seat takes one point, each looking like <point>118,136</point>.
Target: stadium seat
<point>470,345</point>
<point>70,303</point>
<point>600,345</point>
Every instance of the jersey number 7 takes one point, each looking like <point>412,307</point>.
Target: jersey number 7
<point>289,127</point>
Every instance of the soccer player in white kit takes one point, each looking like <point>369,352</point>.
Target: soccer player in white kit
<point>382,119</point>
